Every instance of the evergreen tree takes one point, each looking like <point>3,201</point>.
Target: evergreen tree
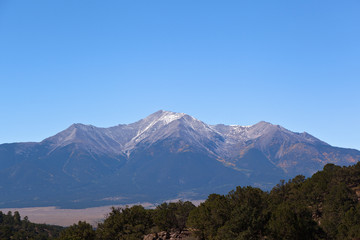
<point>125,224</point>
<point>79,231</point>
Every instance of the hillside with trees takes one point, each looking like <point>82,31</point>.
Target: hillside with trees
<point>325,206</point>
<point>13,227</point>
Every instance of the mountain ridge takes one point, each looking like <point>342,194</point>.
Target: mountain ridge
<point>163,156</point>
<point>136,132</point>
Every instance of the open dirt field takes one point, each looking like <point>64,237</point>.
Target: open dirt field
<point>67,217</point>
<point>64,217</point>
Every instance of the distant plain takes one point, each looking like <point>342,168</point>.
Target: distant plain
<point>67,217</point>
<point>64,217</point>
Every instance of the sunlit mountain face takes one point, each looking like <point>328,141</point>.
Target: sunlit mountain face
<point>164,156</point>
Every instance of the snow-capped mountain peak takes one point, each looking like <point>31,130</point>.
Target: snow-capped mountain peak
<point>168,117</point>
<point>161,155</point>
<point>216,139</point>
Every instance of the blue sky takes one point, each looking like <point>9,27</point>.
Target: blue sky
<point>293,63</point>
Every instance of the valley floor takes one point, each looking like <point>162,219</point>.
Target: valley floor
<point>67,217</point>
<point>63,217</point>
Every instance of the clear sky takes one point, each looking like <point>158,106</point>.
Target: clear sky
<point>292,63</point>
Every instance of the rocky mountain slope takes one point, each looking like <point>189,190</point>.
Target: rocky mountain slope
<point>163,156</point>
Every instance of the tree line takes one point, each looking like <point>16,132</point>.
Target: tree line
<point>324,206</point>
<point>13,227</point>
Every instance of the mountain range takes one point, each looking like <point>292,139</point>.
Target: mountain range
<point>164,156</point>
